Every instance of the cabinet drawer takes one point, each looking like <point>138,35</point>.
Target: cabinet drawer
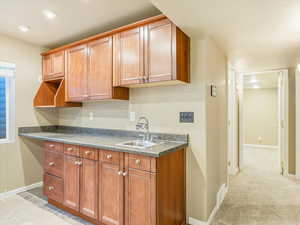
<point>141,162</point>
<point>53,187</point>
<point>54,163</point>
<point>89,153</point>
<point>54,146</point>
<point>110,156</point>
<point>71,150</point>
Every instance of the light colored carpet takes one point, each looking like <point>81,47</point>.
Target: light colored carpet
<point>259,196</point>
<point>14,210</point>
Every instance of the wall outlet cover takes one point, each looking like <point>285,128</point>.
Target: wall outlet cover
<point>91,116</point>
<point>132,116</point>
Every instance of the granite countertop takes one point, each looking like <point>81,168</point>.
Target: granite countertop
<point>104,139</point>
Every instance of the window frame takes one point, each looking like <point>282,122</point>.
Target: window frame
<point>10,90</point>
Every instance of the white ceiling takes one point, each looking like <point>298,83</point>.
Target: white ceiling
<point>75,18</point>
<point>255,34</point>
<point>261,80</point>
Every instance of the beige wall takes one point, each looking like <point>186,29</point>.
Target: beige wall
<point>162,106</point>
<point>261,116</point>
<point>20,161</point>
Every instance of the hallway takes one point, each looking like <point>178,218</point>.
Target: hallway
<point>260,197</point>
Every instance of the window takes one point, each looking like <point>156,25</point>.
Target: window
<point>7,102</point>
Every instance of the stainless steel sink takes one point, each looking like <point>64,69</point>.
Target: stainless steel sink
<point>137,144</point>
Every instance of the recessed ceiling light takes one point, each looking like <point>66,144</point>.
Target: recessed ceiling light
<point>24,28</point>
<point>49,14</point>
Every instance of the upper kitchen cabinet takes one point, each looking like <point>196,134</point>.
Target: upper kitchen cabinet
<point>129,57</point>
<point>154,54</point>
<point>54,66</point>
<point>76,73</point>
<point>89,70</point>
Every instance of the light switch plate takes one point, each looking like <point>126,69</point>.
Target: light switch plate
<point>91,116</point>
<point>186,117</point>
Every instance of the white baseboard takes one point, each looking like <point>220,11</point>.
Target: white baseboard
<point>21,189</point>
<point>269,147</point>
<point>220,198</point>
<point>233,170</point>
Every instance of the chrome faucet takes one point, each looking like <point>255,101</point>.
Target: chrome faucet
<point>143,124</point>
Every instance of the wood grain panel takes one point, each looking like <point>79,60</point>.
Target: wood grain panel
<point>71,150</point>
<point>76,73</point>
<point>89,188</point>
<point>53,187</point>
<point>139,195</point>
<point>89,153</point>
<point>47,67</point>
<point>54,146</point>
<point>159,51</point>
<point>100,69</point>
<point>171,191</point>
<point>58,64</point>
<point>111,206</point>
<point>131,52</point>
<point>71,182</point>
<point>54,163</point>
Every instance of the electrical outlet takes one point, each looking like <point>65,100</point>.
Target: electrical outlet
<point>91,116</point>
<point>132,116</point>
<point>186,117</point>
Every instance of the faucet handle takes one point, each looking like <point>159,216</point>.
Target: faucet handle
<point>154,138</point>
<point>142,136</point>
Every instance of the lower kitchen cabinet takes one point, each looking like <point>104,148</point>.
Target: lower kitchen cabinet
<point>140,198</point>
<point>115,188</point>
<point>71,182</point>
<point>89,188</point>
<point>111,191</point>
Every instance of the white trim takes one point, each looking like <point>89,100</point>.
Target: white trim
<point>21,189</point>
<point>270,147</point>
<point>220,198</point>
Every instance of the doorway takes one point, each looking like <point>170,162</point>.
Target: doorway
<point>258,121</point>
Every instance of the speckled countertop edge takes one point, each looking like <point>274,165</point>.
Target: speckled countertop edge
<point>106,140</point>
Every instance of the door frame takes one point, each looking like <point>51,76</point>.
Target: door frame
<point>283,118</point>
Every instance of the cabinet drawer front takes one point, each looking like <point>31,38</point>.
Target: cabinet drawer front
<point>53,187</point>
<point>141,162</point>
<point>71,150</point>
<point>54,146</point>
<point>110,156</point>
<point>89,153</point>
<point>54,163</point>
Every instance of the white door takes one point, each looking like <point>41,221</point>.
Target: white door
<point>240,93</point>
<point>232,124</point>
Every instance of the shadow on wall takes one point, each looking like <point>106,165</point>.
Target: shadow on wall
<point>195,182</point>
<point>46,116</point>
<point>32,157</point>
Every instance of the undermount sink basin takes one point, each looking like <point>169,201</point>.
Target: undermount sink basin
<point>137,144</point>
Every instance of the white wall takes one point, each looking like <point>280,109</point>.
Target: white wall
<point>21,161</point>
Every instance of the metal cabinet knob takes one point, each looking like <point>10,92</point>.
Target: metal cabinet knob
<point>124,174</point>
<point>120,173</point>
<point>78,163</point>
<point>51,163</point>
<point>51,146</point>
<point>87,152</point>
<point>69,149</point>
<point>109,156</point>
<point>50,188</point>
<point>138,161</point>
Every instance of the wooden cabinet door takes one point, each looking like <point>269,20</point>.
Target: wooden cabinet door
<point>58,64</point>
<point>71,182</point>
<point>47,67</point>
<point>129,58</point>
<point>100,69</point>
<point>111,203</point>
<point>160,50</point>
<point>89,188</point>
<point>76,73</point>
<point>140,198</point>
